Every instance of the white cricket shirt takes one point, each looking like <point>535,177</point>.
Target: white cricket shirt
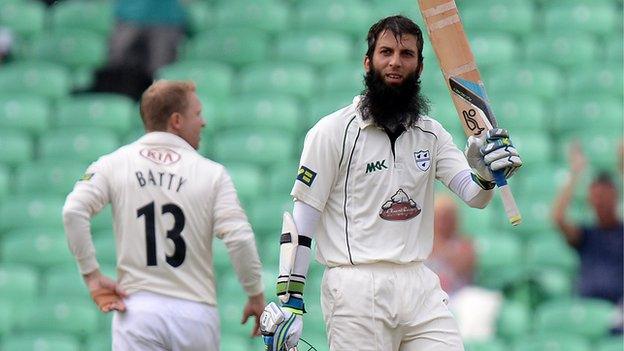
<point>377,206</point>
<point>168,201</point>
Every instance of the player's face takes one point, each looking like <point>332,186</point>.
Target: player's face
<point>192,122</point>
<point>394,58</point>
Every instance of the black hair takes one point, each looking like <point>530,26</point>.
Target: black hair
<point>399,26</point>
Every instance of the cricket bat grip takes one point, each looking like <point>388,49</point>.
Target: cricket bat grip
<point>513,213</point>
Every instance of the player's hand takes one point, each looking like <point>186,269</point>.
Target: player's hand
<point>105,292</point>
<point>494,152</point>
<point>254,307</point>
<point>578,163</point>
<point>281,326</point>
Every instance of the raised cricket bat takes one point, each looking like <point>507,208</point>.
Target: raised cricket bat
<point>462,77</point>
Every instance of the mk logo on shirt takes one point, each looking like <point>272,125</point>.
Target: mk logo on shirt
<point>376,166</point>
<point>306,175</point>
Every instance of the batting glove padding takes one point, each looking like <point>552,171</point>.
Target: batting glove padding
<point>493,153</point>
<point>281,327</point>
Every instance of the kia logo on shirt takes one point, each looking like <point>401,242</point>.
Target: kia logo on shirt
<point>161,155</point>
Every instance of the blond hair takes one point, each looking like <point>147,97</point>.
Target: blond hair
<point>162,99</point>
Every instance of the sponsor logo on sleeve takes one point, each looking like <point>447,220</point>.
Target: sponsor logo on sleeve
<point>400,207</point>
<point>306,175</point>
<point>160,155</point>
<point>86,177</point>
<point>423,160</point>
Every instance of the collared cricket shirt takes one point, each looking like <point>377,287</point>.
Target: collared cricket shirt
<point>376,202</point>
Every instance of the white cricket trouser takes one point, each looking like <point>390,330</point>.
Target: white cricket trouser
<point>158,322</point>
<point>387,307</point>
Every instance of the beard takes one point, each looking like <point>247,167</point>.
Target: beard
<point>393,106</point>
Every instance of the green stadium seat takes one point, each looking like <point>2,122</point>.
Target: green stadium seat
<point>530,78</point>
<point>71,316</point>
<point>234,334</point>
<point>41,251</point>
<point>270,16</point>
<point>94,16</point>
<point>493,48</point>
<point>520,112</point>
<point>247,178</point>
<point>221,260</point>
<point>471,218</point>
<point>40,342</point>
<point>535,211</point>
<point>565,50</point>
<point>552,342</point>
<point>258,112</point>
<point>350,16</point>
<point>18,283</point>
<point>5,182</point>
<point>201,16</point>
<point>103,221</point>
<point>212,79</point>
<point>383,8</point>
<point>265,214</point>
<point>99,342</point>
<point>61,282</point>
<point>17,148</point>
<point>35,78</point>
<point>347,76</point>
<point>314,47</point>
<point>587,113</point>
<point>589,17</point>
<point>105,249</point>
<point>297,79</point>
<point>499,260</point>
<point>98,111</point>
<point>553,283</point>
<point>281,177</point>
<point>536,148</point>
<point>605,80</point>
<point>31,212</point>
<point>30,114</point>
<point>589,318</point>
<point>543,181</point>
<point>71,48</point>
<point>236,46</point>
<point>517,17</point>
<point>489,345</point>
<point>599,146</point>
<point>261,148</point>
<point>551,252</point>
<point>81,145</point>
<point>6,316</point>
<point>613,343</point>
<point>614,48</point>
<point>514,320</point>
<point>321,106</point>
<point>433,83</point>
<point>25,18</point>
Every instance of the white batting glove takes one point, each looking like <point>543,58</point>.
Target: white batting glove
<point>492,153</point>
<point>281,327</point>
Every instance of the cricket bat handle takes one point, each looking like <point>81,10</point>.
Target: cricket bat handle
<point>511,209</point>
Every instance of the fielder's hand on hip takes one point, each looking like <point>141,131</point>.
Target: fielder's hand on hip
<point>491,153</point>
<point>105,292</point>
<point>282,326</point>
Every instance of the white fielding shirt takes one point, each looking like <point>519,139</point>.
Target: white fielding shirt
<point>168,202</point>
<point>376,205</point>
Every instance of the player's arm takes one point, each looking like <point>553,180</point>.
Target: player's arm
<point>231,225</point>
<point>562,201</point>
<point>282,326</point>
<point>89,196</point>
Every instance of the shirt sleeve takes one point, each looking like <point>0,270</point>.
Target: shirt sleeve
<point>451,160</point>
<point>90,194</point>
<point>231,225</point>
<point>318,167</point>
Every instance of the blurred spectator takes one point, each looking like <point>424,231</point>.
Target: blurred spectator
<point>453,256</point>
<point>146,37</point>
<point>6,41</point>
<point>600,245</point>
